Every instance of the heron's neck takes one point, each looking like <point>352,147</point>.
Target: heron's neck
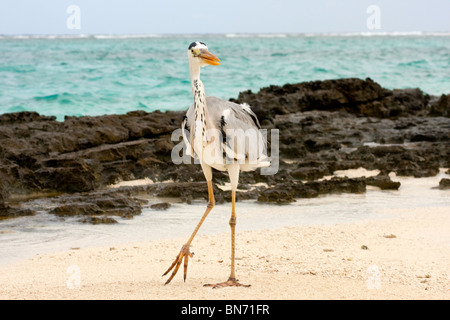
<point>200,108</point>
<point>196,83</point>
<point>198,90</point>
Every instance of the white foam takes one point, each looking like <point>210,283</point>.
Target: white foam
<point>231,35</point>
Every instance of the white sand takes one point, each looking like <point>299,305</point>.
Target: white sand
<point>408,257</point>
<point>137,182</point>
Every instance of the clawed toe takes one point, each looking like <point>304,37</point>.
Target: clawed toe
<point>184,254</point>
<point>231,282</point>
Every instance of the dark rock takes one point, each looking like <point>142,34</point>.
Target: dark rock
<point>423,137</point>
<point>23,117</point>
<point>338,185</point>
<point>287,192</point>
<point>444,184</point>
<point>6,211</point>
<point>160,206</point>
<point>14,212</point>
<point>77,209</point>
<point>3,196</point>
<point>99,220</point>
<point>362,97</point>
<point>85,153</point>
<point>383,182</point>
<point>315,145</point>
<point>420,162</point>
<point>195,190</point>
<point>279,194</point>
<point>383,151</point>
<point>441,107</point>
<point>310,173</point>
<point>97,203</point>
<point>76,178</point>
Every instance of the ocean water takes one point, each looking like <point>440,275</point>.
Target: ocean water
<point>95,75</point>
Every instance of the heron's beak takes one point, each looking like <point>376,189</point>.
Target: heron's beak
<point>209,58</point>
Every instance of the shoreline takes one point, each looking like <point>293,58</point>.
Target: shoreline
<point>406,258</point>
<point>27,237</point>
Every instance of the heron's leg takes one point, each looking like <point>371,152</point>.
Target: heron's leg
<point>233,233</point>
<point>185,252</point>
<point>232,279</point>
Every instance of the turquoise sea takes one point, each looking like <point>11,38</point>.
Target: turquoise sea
<point>94,75</point>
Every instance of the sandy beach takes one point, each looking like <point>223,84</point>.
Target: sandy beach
<point>405,256</point>
<point>326,132</point>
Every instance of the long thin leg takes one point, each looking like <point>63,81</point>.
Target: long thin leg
<point>185,252</point>
<point>234,176</point>
<point>233,234</point>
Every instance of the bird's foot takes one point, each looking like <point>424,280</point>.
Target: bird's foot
<point>231,282</point>
<point>185,253</point>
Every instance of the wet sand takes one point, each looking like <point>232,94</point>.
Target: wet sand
<point>404,256</point>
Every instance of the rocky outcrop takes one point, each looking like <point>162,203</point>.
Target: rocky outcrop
<point>361,97</point>
<point>444,184</point>
<point>324,126</point>
<point>41,154</point>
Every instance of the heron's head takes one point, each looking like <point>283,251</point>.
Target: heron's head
<point>198,54</point>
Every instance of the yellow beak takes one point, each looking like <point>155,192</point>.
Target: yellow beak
<point>209,58</point>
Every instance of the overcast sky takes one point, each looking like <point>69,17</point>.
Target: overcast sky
<point>226,16</point>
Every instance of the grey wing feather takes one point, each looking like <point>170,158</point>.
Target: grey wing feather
<point>239,115</point>
<point>230,118</point>
<point>235,121</point>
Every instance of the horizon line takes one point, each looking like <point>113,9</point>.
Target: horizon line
<point>226,34</point>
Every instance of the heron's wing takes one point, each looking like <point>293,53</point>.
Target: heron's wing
<point>238,125</point>
<point>235,122</point>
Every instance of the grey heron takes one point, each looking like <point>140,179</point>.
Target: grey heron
<point>225,136</point>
